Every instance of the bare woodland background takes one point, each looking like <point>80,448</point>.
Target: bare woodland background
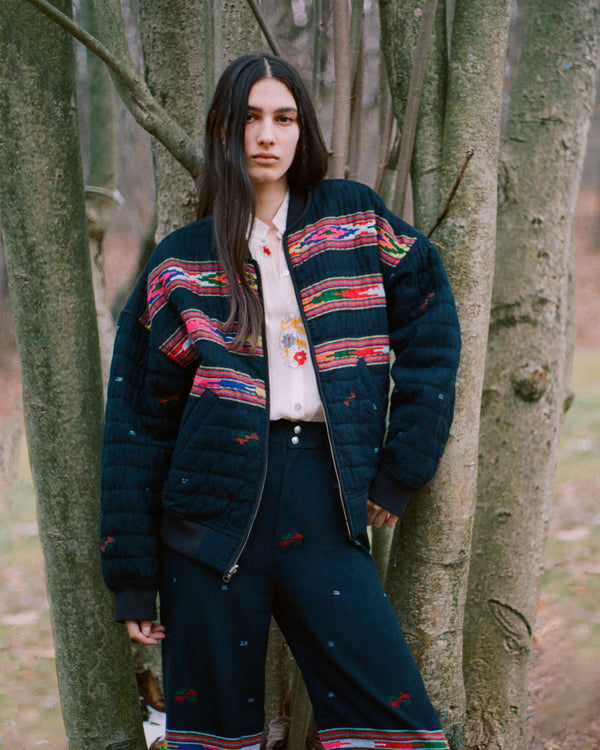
<point>465,569</point>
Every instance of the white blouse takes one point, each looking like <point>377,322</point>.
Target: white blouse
<point>292,381</point>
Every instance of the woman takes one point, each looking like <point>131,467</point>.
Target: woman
<point>244,444</point>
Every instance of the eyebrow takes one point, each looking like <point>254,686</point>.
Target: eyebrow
<point>279,111</point>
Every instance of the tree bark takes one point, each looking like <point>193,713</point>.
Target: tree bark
<point>102,173</point>
<point>134,92</point>
<point>186,46</point>
<point>528,357</point>
<point>429,559</point>
<point>343,88</point>
<point>413,99</point>
<point>426,167</point>
<point>45,240</point>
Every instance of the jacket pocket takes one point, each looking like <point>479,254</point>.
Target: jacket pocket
<point>196,414</point>
<point>377,399</point>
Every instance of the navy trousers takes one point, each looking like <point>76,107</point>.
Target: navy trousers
<point>326,596</point>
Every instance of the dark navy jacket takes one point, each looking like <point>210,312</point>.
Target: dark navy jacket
<point>187,418</point>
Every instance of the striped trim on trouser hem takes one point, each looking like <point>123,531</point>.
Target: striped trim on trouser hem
<point>393,739</point>
<point>199,741</point>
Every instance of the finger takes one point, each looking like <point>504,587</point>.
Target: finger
<point>391,520</point>
<point>158,631</point>
<point>380,518</point>
<point>372,511</point>
<point>142,632</point>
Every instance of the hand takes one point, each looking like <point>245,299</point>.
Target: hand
<point>378,516</point>
<point>146,632</point>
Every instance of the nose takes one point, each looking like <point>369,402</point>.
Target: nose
<point>266,134</point>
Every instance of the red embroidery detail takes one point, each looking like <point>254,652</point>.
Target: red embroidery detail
<point>424,305</point>
<point>400,699</point>
<point>300,357</point>
<point>166,401</point>
<point>350,398</point>
<point>186,696</point>
<point>292,540</point>
<point>243,438</point>
<point>107,542</point>
<point>266,250</point>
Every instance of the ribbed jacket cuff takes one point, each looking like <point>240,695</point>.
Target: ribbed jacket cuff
<point>135,603</point>
<point>389,492</point>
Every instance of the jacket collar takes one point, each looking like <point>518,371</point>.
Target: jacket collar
<point>298,201</point>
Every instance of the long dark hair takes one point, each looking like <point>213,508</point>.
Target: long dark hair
<point>225,188</point>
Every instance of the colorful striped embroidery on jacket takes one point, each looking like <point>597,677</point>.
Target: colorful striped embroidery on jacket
<point>343,293</point>
<point>188,740</point>
<point>333,233</point>
<point>392,248</point>
<point>229,384</point>
<point>355,739</point>
<point>202,328</point>
<point>179,347</point>
<point>330,355</point>
<point>206,278</point>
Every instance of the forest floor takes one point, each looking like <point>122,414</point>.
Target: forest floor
<point>565,679</point>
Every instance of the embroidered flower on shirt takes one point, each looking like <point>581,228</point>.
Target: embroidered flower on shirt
<point>287,340</point>
<point>266,250</point>
<point>292,342</point>
<point>300,357</point>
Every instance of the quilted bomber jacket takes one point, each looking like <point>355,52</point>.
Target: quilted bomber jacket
<point>187,418</point>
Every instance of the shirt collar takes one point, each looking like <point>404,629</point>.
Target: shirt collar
<point>260,229</point>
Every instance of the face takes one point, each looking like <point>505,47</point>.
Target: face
<point>272,133</point>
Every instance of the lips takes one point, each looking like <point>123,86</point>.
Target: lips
<point>265,158</point>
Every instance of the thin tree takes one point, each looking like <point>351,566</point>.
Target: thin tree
<point>427,573</point>
<point>42,213</point>
<point>528,359</point>
<point>343,88</point>
<point>101,177</point>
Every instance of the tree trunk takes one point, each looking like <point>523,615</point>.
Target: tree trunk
<point>342,90</point>
<point>101,177</point>
<point>45,241</point>
<point>186,46</point>
<point>528,352</point>
<point>429,559</point>
<point>426,168</point>
<point>400,26</point>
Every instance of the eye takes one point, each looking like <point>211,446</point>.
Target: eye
<point>286,119</point>
<point>250,116</point>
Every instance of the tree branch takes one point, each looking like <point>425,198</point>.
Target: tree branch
<point>409,126</point>
<point>264,28</point>
<point>135,94</point>
<point>457,182</point>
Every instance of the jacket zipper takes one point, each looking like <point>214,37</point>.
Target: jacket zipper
<point>318,380</point>
<point>233,566</point>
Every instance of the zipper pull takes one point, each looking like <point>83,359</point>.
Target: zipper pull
<point>231,572</point>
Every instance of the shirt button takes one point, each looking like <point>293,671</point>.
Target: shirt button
<point>297,429</point>
<point>295,440</point>
<point>297,407</point>
<point>286,272</point>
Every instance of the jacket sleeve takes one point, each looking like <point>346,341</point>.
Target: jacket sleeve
<point>425,339</point>
<point>147,393</point>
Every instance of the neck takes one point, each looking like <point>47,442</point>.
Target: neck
<point>268,198</point>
